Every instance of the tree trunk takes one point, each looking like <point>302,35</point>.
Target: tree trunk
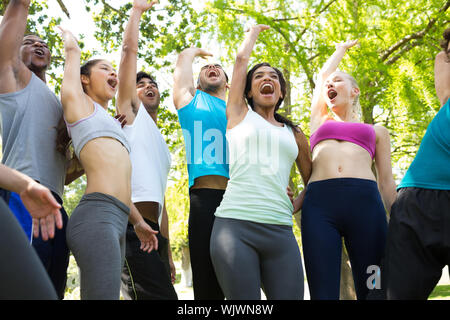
<point>186,271</point>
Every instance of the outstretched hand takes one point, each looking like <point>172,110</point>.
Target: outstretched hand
<point>203,53</point>
<point>347,44</point>
<point>143,5</point>
<point>147,236</point>
<point>43,208</point>
<point>259,28</point>
<point>70,41</point>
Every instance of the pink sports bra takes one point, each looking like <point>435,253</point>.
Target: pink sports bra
<point>361,134</point>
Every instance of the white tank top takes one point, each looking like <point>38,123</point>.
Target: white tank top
<point>261,159</point>
<point>150,159</point>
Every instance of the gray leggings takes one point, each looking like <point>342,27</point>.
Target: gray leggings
<point>22,275</point>
<point>248,256</point>
<point>96,237</point>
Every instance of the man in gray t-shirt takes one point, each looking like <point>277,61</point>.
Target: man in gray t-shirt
<point>30,113</point>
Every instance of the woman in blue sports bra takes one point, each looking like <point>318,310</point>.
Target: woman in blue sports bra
<point>96,228</point>
<point>343,198</point>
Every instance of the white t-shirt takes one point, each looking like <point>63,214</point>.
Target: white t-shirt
<point>150,159</point>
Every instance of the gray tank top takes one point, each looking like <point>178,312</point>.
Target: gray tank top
<point>98,124</point>
<point>29,119</point>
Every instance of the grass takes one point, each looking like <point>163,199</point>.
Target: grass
<point>440,293</point>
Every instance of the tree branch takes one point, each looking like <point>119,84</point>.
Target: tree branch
<point>401,52</point>
<point>326,7</point>
<point>414,36</point>
<point>110,7</point>
<point>298,56</point>
<point>63,8</point>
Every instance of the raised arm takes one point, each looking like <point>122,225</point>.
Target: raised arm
<point>319,109</point>
<point>385,179</point>
<point>236,105</point>
<point>14,75</point>
<point>442,77</point>
<point>76,104</point>
<point>183,85</point>
<point>127,99</point>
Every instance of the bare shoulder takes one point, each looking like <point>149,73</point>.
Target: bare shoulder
<point>318,121</point>
<point>381,132</point>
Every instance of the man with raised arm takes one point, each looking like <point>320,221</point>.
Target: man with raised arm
<point>419,228</point>
<point>146,276</point>
<point>201,112</point>
<point>30,114</point>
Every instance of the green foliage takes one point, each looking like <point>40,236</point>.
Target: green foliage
<point>393,64</point>
<point>441,293</point>
<point>73,193</point>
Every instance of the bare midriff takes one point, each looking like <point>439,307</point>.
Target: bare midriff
<point>149,210</point>
<point>108,168</point>
<point>340,159</point>
<point>210,182</point>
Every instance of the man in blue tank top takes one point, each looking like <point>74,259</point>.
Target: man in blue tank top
<point>419,228</point>
<point>30,115</point>
<point>201,112</point>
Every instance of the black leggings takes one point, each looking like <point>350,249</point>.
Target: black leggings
<point>335,208</point>
<point>203,205</point>
<point>146,276</point>
<point>22,275</point>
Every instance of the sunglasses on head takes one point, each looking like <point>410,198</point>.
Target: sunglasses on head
<point>209,65</point>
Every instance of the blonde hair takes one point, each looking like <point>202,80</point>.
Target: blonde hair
<point>357,110</point>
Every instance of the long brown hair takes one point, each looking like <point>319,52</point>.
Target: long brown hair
<point>62,137</point>
<point>445,41</point>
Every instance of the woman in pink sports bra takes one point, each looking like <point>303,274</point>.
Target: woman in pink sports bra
<point>343,198</point>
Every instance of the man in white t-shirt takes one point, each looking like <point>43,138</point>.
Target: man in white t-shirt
<point>145,276</point>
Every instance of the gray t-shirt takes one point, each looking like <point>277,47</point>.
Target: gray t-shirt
<point>29,120</point>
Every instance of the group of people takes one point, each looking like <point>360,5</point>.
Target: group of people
<point>240,220</point>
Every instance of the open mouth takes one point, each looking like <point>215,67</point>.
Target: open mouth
<point>267,88</point>
<point>112,83</point>
<point>332,94</point>
<point>39,52</point>
<point>149,93</point>
<point>212,73</point>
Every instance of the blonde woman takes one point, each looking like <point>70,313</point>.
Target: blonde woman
<point>343,197</point>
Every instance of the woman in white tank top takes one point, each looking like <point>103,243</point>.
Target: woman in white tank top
<point>252,243</point>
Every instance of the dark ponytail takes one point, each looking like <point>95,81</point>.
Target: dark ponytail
<point>286,121</point>
<point>248,87</point>
<point>445,41</point>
